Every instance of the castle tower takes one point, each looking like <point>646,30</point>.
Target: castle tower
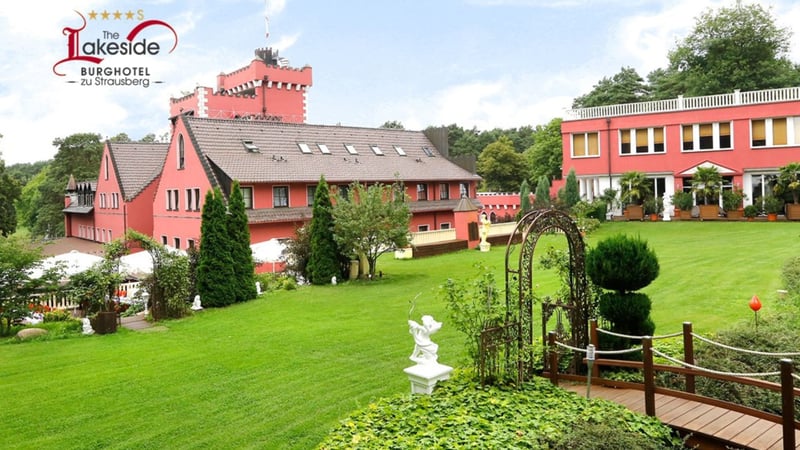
<point>266,89</point>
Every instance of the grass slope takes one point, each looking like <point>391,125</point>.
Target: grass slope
<point>280,371</point>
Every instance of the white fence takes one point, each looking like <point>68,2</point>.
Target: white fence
<point>437,236</point>
<point>64,299</point>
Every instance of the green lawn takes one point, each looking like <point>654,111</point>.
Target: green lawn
<point>280,371</point>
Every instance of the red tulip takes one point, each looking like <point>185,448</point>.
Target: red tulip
<point>755,303</point>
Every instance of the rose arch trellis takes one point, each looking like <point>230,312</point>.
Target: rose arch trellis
<point>514,338</point>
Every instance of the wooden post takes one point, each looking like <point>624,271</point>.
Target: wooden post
<point>688,354</point>
<point>551,343</point>
<point>649,378</point>
<point>787,403</point>
<point>593,339</point>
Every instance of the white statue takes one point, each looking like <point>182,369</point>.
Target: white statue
<point>333,280</point>
<point>258,288</point>
<point>87,326</point>
<point>196,303</point>
<point>425,350</point>
<point>485,224</point>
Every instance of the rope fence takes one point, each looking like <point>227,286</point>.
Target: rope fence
<point>600,352</point>
<point>628,336</point>
<point>743,350</point>
<point>716,372</point>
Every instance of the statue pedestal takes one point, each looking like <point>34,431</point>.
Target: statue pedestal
<point>485,246</point>
<point>423,377</point>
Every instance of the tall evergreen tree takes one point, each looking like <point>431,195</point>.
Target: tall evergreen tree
<point>241,253</point>
<point>524,198</point>
<point>323,261</point>
<point>215,275</point>
<point>542,196</point>
<point>571,190</point>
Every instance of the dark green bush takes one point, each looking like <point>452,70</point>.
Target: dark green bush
<point>462,414</point>
<point>600,436</point>
<point>625,311</point>
<point>622,263</point>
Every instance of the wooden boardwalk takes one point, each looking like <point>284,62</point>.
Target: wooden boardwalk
<point>711,426</point>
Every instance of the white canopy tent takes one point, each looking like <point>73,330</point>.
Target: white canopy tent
<point>73,262</point>
<point>270,251</point>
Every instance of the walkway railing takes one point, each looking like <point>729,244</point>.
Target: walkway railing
<point>689,370</point>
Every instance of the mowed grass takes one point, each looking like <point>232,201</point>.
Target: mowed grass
<point>280,371</point>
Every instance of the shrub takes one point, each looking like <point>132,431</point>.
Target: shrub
<point>629,314</point>
<point>462,414</point>
<point>622,263</point>
<point>593,436</point>
<point>471,305</point>
<point>276,282</point>
<point>790,275</point>
<point>57,315</point>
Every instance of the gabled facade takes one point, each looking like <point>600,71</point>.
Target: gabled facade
<point>746,135</point>
<point>278,166</point>
<point>122,196</point>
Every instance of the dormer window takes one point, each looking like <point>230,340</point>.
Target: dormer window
<point>251,147</point>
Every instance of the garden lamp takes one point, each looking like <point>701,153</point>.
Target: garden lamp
<point>589,363</point>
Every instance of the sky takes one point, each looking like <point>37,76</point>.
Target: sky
<point>474,63</point>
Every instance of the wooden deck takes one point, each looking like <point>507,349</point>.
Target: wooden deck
<point>711,427</point>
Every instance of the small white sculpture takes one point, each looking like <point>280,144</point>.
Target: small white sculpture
<point>333,280</point>
<point>258,288</point>
<point>87,326</point>
<point>196,303</point>
<point>485,224</point>
<point>425,350</point>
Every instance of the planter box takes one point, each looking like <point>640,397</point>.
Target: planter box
<point>105,323</point>
<point>792,211</point>
<point>736,214</point>
<point>635,212</point>
<point>709,212</point>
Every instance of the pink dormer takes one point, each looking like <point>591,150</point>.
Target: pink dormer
<point>267,89</point>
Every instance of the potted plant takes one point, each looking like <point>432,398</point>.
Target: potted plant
<point>773,205</point>
<point>95,289</point>
<point>609,197</point>
<point>683,202</point>
<point>751,211</point>
<point>732,202</point>
<point>789,182</point>
<point>706,184</point>
<point>653,207</point>
<point>634,187</point>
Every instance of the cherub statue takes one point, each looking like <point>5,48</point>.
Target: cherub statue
<point>425,350</point>
<point>485,224</point>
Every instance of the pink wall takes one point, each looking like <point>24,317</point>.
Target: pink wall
<point>179,223</point>
<point>741,156</point>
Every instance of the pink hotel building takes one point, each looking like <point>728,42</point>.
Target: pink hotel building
<point>746,135</point>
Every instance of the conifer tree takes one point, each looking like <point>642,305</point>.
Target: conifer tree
<point>542,198</point>
<point>323,261</point>
<point>241,254</point>
<point>215,275</point>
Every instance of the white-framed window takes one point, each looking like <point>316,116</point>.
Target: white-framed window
<point>641,141</point>
<point>304,148</point>
<point>399,150</point>
<point>707,136</point>
<point>247,196</point>
<point>311,191</point>
<point>115,200</point>
<point>422,227</point>
<point>189,199</point>
<point>102,200</point>
<point>163,239</point>
<point>351,149</point>
<point>377,150</point>
<point>775,132</point>
<point>585,145</point>
<point>324,149</point>
<point>173,199</point>
<point>280,196</point>
<point>463,190</point>
<point>444,226</point>
<point>196,199</point>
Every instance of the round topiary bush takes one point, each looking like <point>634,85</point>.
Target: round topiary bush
<point>622,263</point>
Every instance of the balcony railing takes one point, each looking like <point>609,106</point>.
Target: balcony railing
<point>681,103</point>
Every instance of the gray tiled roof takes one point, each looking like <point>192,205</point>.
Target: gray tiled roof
<point>78,209</point>
<point>267,215</point>
<point>279,159</point>
<point>137,164</point>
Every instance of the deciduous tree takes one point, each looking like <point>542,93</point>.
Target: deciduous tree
<point>501,167</point>
<point>545,156</point>
<point>371,221</point>
<point>627,86</point>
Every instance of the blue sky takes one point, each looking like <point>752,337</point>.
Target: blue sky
<point>481,63</point>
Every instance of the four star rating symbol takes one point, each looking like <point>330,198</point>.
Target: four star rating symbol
<point>117,15</point>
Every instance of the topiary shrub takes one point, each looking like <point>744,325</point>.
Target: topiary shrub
<point>622,263</point>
